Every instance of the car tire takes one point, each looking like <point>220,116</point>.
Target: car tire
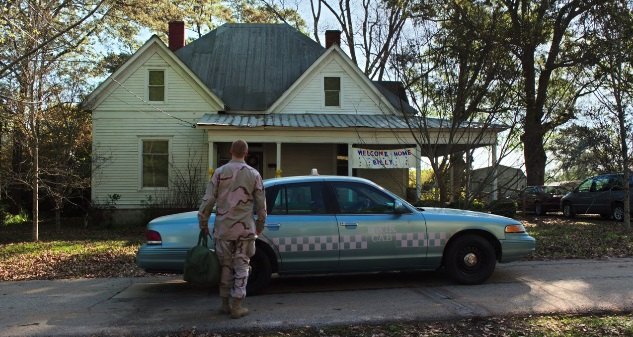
<point>470,259</point>
<point>568,211</point>
<point>618,212</point>
<point>538,209</point>
<point>259,277</point>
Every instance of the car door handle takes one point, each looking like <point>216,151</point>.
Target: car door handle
<point>272,226</point>
<point>348,225</point>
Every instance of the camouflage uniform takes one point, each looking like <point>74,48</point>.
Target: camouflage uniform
<point>234,188</point>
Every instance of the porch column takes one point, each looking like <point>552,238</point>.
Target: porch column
<point>212,155</point>
<point>451,178</point>
<point>350,160</point>
<point>418,173</point>
<point>278,171</point>
<point>495,177</point>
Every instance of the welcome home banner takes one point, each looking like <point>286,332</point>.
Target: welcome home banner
<point>380,159</point>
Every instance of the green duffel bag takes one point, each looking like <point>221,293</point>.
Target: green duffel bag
<point>202,267</point>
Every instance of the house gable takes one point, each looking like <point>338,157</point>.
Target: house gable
<point>128,84</point>
<point>358,95</point>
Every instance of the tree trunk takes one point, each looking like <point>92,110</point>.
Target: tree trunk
<point>533,148</point>
<point>36,196</point>
<point>625,163</point>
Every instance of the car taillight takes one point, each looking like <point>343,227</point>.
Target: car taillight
<point>153,237</point>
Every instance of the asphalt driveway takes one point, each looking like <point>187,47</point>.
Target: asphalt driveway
<point>151,305</point>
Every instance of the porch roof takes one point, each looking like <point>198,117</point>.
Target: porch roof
<point>324,121</point>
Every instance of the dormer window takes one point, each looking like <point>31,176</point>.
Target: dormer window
<point>332,88</point>
<point>156,86</point>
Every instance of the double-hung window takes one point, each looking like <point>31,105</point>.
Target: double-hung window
<point>332,89</point>
<point>156,86</point>
<point>155,163</point>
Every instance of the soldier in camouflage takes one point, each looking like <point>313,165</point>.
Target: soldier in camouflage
<point>234,189</point>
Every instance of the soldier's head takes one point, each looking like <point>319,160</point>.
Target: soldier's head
<point>239,149</point>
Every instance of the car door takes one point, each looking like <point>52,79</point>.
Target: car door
<point>581,197</point>
<point>302,228</point>
<point>528,198</point>
<point>372,235</point>
<point>600,201</point>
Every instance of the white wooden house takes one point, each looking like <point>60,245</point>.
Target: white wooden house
<point>166,118</point>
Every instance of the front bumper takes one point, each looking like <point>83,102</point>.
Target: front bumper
<point>516,249</point>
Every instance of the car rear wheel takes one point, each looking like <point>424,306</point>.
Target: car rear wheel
<point>618,212</point>
<point>259,277</point>
<point>568,211</point>
<point>470,259</point>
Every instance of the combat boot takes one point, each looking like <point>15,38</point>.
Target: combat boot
<point>237,310</point>
<point>225,308</point>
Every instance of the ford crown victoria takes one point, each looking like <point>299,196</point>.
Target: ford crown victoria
<point>334,224</point>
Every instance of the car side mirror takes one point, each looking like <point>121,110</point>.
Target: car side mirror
<point>399,208</point>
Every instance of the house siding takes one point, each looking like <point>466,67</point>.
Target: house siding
<point>123,119</point>
<point>130,95</point>
<point>356,97</point>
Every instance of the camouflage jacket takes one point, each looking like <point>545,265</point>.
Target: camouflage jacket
<point>236,189</point>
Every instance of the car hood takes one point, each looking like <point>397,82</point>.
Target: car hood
<point>461,212</point>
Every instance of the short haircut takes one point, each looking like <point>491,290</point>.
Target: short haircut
<point>239,148</point>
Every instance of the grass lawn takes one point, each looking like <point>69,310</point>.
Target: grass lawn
<point>76,252</point>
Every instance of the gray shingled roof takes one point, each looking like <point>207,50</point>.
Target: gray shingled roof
<point>312,121</point>
<point>249,66</point>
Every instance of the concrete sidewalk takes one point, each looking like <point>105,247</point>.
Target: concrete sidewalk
<point>154,305</point>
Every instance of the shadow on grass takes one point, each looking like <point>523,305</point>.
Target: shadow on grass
<point>581,237</point>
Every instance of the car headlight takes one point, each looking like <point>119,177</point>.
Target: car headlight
<point>515,229</point>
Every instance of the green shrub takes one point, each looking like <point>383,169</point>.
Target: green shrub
<point>505,207</point>
<point>15,219</point>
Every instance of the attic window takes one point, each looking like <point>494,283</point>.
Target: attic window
<point>156,86</point>
<point>332,88</point>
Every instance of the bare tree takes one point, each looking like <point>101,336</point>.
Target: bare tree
<point>371,27</point>
<point>460,80</point>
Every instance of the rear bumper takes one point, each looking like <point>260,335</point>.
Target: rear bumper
<point>156,258</point>
<point>513,250</point>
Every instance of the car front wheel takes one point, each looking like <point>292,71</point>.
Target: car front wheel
<point>470,259</point>
<point>568,211</point>
<point>618,212</point>
<point>259,277</point>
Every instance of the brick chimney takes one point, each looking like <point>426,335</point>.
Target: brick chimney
<point>332,37</point>
<point>176,35</point>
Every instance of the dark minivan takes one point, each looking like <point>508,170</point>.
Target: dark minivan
<point>603,194</point>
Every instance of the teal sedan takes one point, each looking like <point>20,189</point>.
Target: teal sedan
<point>335,224</point>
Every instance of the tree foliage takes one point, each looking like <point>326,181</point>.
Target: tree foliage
<point>457,71</point>
<point>545,39</point>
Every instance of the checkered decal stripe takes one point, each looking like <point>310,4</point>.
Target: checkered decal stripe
<point>406,240</point>
<point>437,239</point>
<point>352,242</point>
<point>306,243</point>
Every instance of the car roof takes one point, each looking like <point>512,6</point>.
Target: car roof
<point>312,178</point>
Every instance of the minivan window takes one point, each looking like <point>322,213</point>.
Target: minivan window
<point>585,186</point>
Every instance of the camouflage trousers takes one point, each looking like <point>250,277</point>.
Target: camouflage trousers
<point>234,256</point>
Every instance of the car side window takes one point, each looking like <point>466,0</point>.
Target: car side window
<point>585,186</point>
<point>602,184</point>
<point>355,198</point>
<point>298,199</point>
